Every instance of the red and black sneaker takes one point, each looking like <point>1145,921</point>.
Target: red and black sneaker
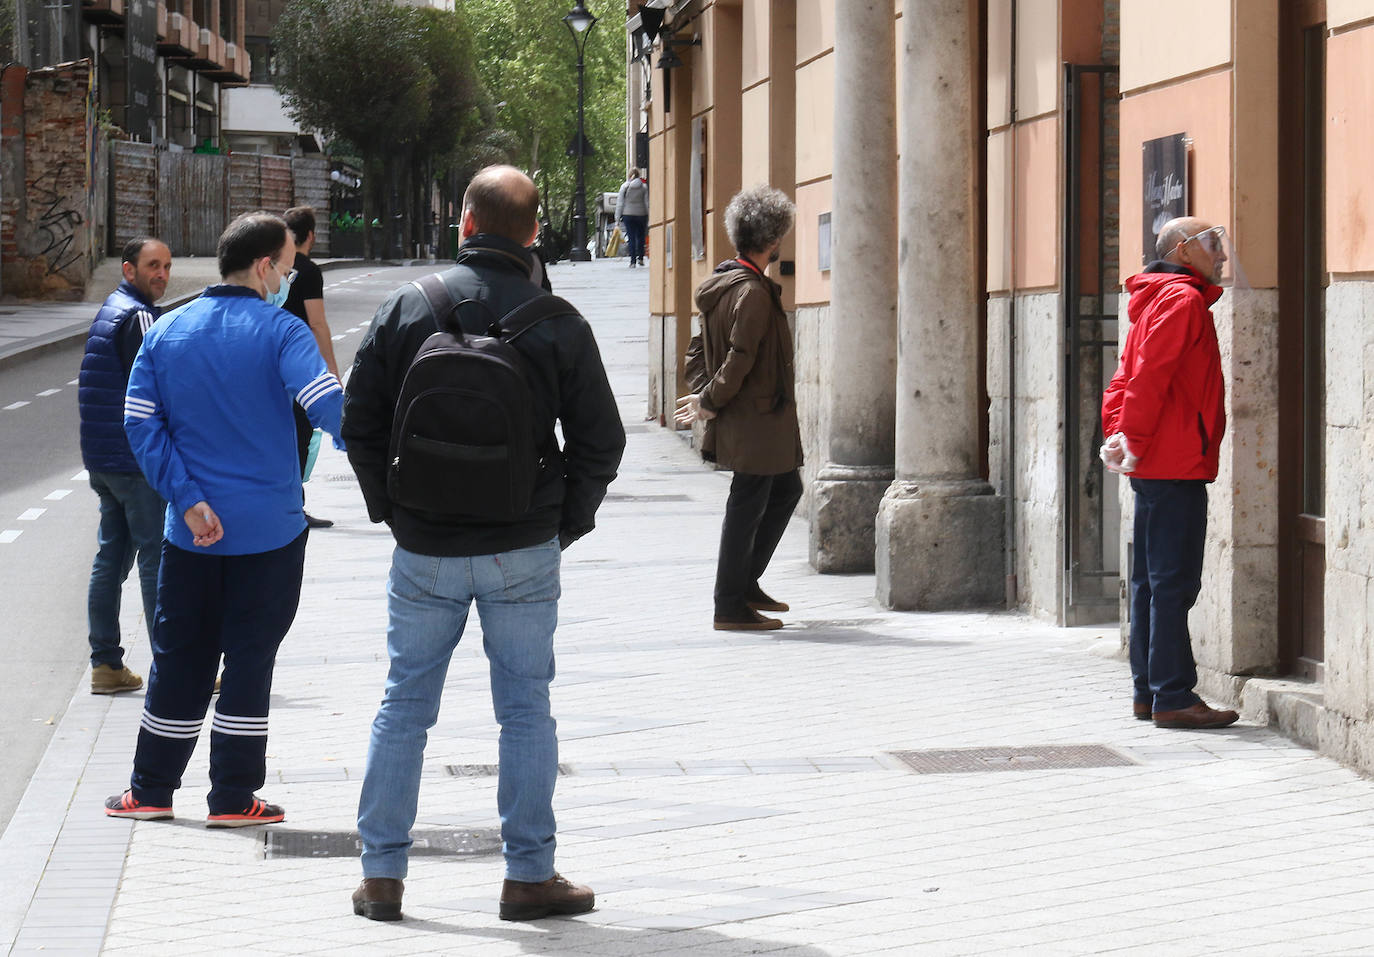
<point>259,812</point>
<point>126,805</point>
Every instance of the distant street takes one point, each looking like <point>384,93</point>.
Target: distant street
<point>48,518</point>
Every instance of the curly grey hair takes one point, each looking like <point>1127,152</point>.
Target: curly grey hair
<point>758,217</point>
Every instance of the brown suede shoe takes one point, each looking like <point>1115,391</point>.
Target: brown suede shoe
<point>557,895</point>
<point>379,898</point>
<point>1198,716</point>
<point>748,620</point>
<point>1141,711</point>
<point>760,600</point>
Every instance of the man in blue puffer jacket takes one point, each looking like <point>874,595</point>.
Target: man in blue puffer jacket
<point>131,511</point>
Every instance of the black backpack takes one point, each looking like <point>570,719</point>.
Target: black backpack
<point>465,440</point>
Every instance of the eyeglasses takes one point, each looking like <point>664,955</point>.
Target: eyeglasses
<point>287,278</point>
<point>1209,239</point>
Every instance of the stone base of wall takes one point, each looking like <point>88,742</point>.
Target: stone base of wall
<point>844,510</point>
<point>939,546</point>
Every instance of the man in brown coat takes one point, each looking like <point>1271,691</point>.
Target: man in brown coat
<point>747,398</point>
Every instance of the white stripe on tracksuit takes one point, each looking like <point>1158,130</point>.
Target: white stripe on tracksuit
<point>242,725</point>
<point>169,727</point>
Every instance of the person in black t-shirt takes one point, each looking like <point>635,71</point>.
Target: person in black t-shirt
<point>306,301</point>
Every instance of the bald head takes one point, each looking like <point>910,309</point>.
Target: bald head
<point>1176,231</point>
<point>504,202</point>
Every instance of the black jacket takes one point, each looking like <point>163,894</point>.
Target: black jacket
<point>569,383</point>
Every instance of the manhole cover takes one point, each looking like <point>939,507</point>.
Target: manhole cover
<point>472,770</point>
<point>1047,758</point>
<point>478,842</point>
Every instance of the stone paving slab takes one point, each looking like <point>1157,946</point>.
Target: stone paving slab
<point>724,793</point>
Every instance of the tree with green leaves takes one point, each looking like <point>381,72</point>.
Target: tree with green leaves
<point>528,65</point>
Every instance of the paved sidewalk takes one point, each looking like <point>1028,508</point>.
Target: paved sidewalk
<point>723,793</point>
<point>28,327</point>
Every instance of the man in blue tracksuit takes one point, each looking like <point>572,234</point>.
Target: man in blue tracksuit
<point>208,414</point>
<point>131,511</point>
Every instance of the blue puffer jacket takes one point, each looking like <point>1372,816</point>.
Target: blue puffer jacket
<point>104,379</point>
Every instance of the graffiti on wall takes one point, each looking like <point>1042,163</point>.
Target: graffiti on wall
<point>57,221</point>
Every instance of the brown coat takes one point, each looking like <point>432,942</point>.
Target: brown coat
<point>747,348</point>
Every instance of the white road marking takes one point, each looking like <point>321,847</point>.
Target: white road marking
<point>82,476</point>
<point>337,338</point>
<point>74,382</point>
<point>32,515</point>
<point>9,535</point>
<point>57,495</point>
<point>47,392</point>
<point>15,405</point>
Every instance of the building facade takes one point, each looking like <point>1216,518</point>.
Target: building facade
<point>974,182</point>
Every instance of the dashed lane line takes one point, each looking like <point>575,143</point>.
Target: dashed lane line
<point>57,495</point>
<point>32,515</point>
<point>9,535</point>
<point>47,392</point>
<point>16,405</point>
<point>82,476</point>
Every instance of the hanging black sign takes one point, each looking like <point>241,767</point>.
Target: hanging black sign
<point>1164,171</point>
<point>140,39</point>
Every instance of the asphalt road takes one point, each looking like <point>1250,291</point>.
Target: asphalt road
<point>48,518</point>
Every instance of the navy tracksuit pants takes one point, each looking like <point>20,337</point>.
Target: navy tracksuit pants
<point>237,606</point>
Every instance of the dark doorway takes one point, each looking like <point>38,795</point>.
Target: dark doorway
<point>1302,339</point>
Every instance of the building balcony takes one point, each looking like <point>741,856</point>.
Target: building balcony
<point>180,38</point>
<point>236,66</point>
<point>103,11</point>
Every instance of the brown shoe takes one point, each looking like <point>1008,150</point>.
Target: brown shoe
<point>747,620</point>
<point>557,895</point>
<point>1198,716</point>
<point>1142,712</point>
<point>107,679</point>
<point>759,600</point>
<point>378,898</point>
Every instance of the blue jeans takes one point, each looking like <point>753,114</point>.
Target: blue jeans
<point>1170,530</point>
<point>131,519</point>
<point>428,600</point>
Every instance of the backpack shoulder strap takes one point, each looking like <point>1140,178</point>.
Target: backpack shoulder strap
<point>529,314</point>
<point>435,291</point>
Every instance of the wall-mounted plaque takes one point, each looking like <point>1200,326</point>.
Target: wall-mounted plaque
<point>1164,168</point>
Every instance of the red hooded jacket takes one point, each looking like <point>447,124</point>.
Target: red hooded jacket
<point>1168,395</point>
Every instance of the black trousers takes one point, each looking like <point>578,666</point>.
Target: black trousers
<point>238,606</point>
<point>756,514</point>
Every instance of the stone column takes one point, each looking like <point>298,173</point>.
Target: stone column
<point>939,529</point>
<point>858,369</point>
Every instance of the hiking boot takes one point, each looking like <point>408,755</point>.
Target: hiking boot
<point>107,679</point>
<point>126,805</point>
<point>379,898</point>
<point>258,812</point>
<point>557,895</point>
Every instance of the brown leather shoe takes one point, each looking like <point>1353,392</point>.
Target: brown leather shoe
<point>760,600</point>
<point>557,895</point>
<point>747,620</point>
<point>379,898</point>
<point>1142,712</point>
<point>1198,716</point>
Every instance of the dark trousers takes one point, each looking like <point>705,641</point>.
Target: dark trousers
<point>238,606</point>
<point>756,514</point>
<point>304,430</point>
<point>635,228</point>
<point>1170,529</point>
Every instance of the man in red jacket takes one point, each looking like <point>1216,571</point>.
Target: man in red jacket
<point>1165,414</point>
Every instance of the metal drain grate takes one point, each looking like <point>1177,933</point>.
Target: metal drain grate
<point>471,770</point>
<point>627,497</point>
<point>478,842</point>
<point>1046,758</point>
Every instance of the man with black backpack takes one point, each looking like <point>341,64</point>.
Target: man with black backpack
<point>449,419</point>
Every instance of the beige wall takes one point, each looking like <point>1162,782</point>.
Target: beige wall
<point>1349,146</point>
<point>1201,108</point>
<point>815,119</point>
<point>1340,13</point>
<point>1037,58</point>
<point>815,28</point>
<point>1165,39</point>
<point>999,62</point>
<point>754,139</point>
<point>812,285</point>
<point>755,31</point>
<point>1037,204</point>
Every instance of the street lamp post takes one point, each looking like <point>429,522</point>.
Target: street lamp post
<point>580,22</point>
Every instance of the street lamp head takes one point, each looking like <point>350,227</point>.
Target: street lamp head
<point>580,19</point>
